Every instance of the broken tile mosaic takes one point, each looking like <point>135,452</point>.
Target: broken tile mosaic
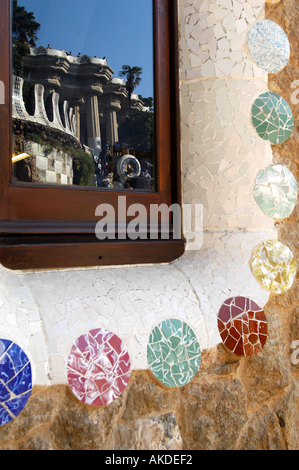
<point>173,353</point>
<point>272,117</point>
<point>275,191</point>
<point>15,381</point>
<point>269,46</point>
<point>98,368</point>
<point>242,326</point>
<point>273,265</point>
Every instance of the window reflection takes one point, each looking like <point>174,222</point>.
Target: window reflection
<point>76,120</point>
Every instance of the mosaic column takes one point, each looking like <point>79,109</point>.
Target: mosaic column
<point>221,150</point>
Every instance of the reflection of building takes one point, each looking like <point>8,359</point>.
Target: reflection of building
<point>97,99</point>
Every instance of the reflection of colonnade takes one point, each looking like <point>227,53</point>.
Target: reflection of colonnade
<point>98,101</point>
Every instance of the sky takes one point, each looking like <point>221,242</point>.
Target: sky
<point>120,30</point>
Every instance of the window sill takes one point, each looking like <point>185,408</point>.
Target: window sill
<point>55,245</point>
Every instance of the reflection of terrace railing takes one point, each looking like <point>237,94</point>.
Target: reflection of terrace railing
<point>40,115</point>
<point>85,59</point>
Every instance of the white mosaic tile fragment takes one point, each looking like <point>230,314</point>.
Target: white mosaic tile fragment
<point>222,152</point>
<point>20,322</point>
<point>221,270</point>
<point>211,34</point>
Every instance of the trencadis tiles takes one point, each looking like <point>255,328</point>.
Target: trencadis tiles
<point>273,265</point>
<point>98,368</point>
<point>269,46</point>
<point>173,353</point>
<point>15,380</point>
<point>221,157</point>
<point>275,191</point>
<point>242,326</point>
<point>212,38</point>
<point>272,117</point>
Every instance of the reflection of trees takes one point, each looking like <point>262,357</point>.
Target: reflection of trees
<point>147,102</point>
<point>133,79</point>
<point>24,29</point>
<point>83,167</point>
<point>137,132</point>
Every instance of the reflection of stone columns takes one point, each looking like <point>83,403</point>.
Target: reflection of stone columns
<point>77,118</point>
<point>49,91</point>
<point>93,122</point>
<point>111,127</point>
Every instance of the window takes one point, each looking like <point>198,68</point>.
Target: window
<point>50,223</point>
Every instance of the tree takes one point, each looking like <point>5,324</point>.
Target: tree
<point>133,79</point>
<point>147,102</point>
<point>24,30</point>
<point>137,132</point>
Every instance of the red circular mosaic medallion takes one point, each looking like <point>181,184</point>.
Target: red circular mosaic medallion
<point>98,368</point>
<point>242,326</point>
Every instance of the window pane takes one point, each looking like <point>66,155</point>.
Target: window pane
<point>83,108</point>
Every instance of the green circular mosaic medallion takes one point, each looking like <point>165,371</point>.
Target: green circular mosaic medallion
<point>274,266</point>
<point>272,118</point>
<point>173,353</point>
<point>275,191</point>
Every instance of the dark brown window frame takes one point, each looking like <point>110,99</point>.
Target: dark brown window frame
<point>50,227</point>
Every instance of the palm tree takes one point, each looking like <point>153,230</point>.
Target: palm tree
<point>24,29</point>
<point>133,79</point>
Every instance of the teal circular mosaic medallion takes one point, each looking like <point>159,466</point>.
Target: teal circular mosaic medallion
<point>269,46</point>
<point>173,353</point>
<point>275,191</point>
<point>272,117</point>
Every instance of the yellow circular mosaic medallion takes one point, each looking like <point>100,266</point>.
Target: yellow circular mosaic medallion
<point>273,265</point>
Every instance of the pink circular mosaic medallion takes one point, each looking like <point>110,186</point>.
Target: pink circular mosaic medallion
<point>98,368</point>
<point>242,326</point>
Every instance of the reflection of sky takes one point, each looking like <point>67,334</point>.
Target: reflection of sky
<point>117,29</point>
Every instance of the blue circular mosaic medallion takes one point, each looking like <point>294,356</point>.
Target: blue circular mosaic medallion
<point>15,381</point>
<point>269,46</point>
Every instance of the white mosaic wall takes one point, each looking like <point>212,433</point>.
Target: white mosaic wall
<point>222,153</point>
<point>219,81</point>
<point>44,312</point>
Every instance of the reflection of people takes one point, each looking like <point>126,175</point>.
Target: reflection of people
<point>117,146</point>
<point>146,174</point>
<point>128,170</point>
<point>106,170</point>
<point>99,174</point>
<point>106,154</point>
<point>98,169</point>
